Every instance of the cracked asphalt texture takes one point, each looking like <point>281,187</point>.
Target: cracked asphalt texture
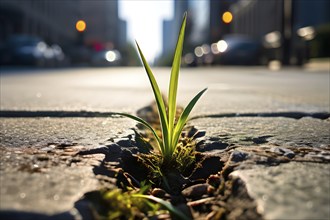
<point>39,154</point>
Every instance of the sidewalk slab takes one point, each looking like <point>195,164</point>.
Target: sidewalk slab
<point>42,132</point>
<point>280,131</point>
<point>51,191</point>
<point>40,171</point>
<point>289,191</point>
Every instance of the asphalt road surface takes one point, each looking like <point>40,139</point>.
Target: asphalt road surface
<point>230,89</point>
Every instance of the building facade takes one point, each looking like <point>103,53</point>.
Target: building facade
<point>54,21</point>
<point>281,21</point>
<point>50,20</point>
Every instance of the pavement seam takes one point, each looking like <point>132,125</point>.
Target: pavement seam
<point>95,114</point>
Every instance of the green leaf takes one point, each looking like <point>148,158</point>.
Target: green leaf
<point>170,131</point>
<point>159,101</point>
<point>164,203</point>
<point>173,87</point>
<point>140,120</point>
<point>184,116</point>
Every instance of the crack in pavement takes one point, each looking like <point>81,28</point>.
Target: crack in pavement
<point>54,114</point>
<point>293,115</point>
<point>95,114</point>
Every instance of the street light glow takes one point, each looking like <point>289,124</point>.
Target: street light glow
<point>81,25</point>
<point>222,46</point>
<point>110,56</point>
<point>227,17</point>
<point>198,51</point>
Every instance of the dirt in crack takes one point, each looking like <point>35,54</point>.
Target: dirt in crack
<point>202,190</point>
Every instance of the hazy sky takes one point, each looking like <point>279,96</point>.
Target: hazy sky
<point>144,23</point>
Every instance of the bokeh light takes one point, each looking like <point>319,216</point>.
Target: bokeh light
<point>222,46</point>
<point>227,17</point>
<point>198,51</point>
<point>110,56</point>
<point>81,25</point>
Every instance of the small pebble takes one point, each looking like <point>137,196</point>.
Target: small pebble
<point>49,148</point>
<point>238,156</point>
<point>198,190</point>
<point>157,192</point>
<point>284,151</point>
<point>214,180</point>
<point>42,157</point>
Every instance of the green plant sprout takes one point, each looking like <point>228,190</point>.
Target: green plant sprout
<point>170,127</point>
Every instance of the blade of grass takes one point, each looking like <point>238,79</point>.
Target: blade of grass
<point>173,87</point>
<point>184,116</point>
<point>159,101</point>
<point>140,120</point>
<point>164,203</point>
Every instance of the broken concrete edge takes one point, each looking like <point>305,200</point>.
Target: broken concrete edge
<point>253,169</point>
<point>288,190</point>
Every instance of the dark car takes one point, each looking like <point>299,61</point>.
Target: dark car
<point>238,50</point>
<point>24,50</point>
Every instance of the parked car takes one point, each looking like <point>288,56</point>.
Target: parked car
<point>238,50</point>
<point>24,50</point>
